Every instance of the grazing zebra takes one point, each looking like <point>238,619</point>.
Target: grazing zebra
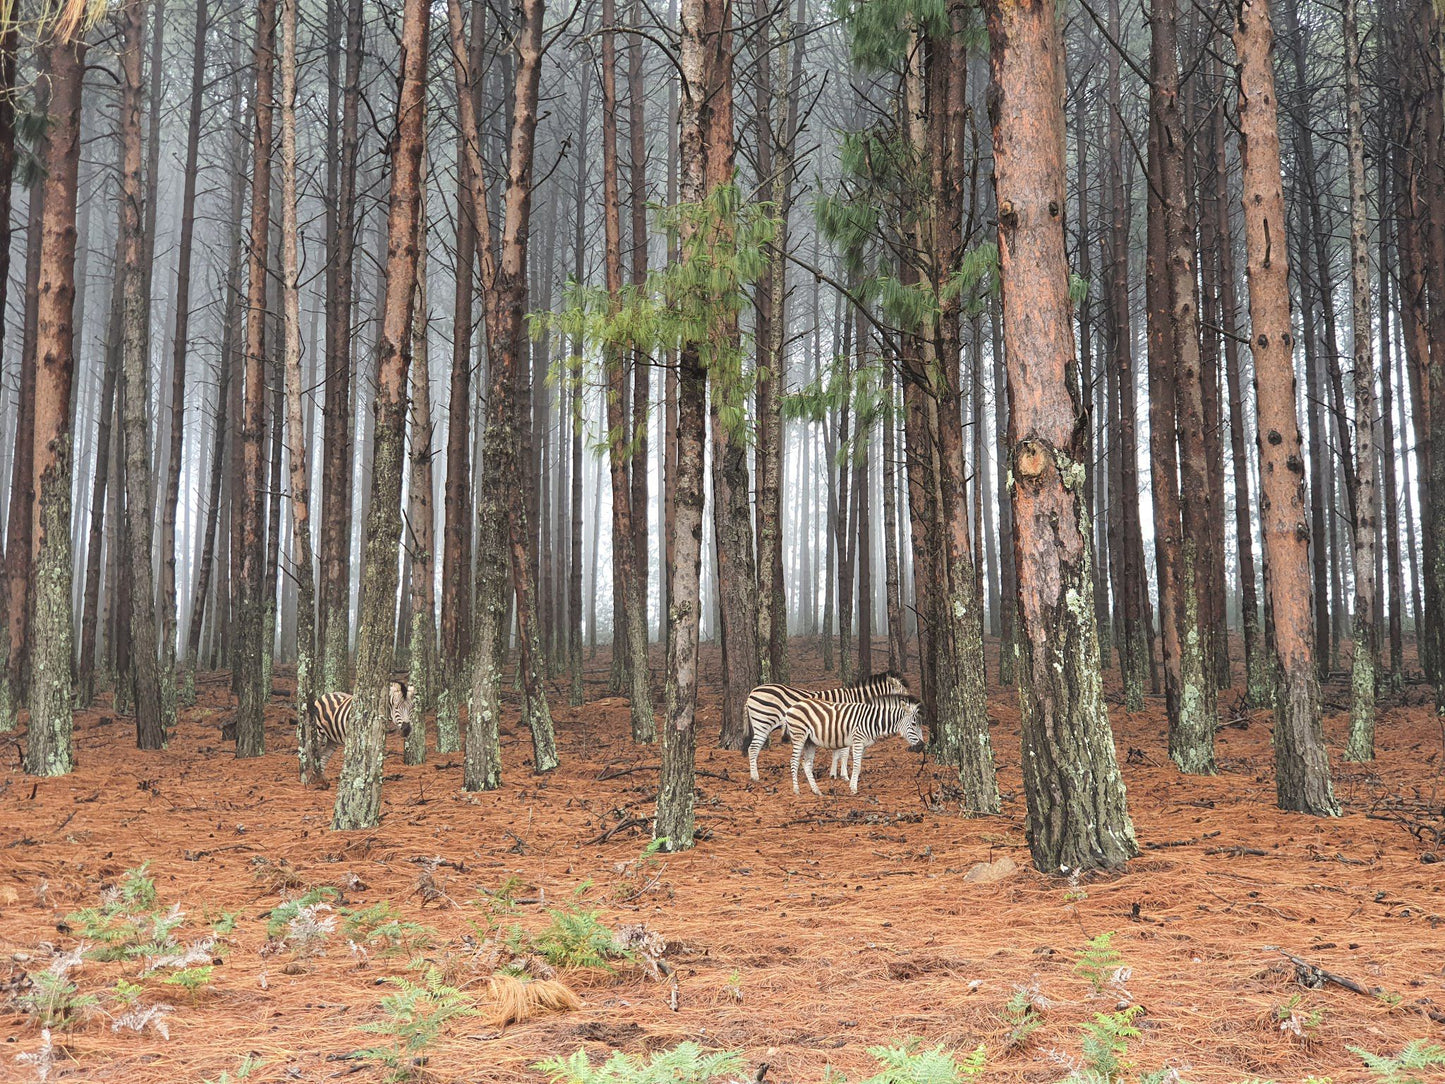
<point>815,724</point>
<point>767,703</point>
<point>332,715</point>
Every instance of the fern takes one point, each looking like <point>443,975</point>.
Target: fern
<point>1023,1014</point>
<point>416,1014</point>
<point>1106,1042</point>
<point>55,1001</point>
<point>1100,962</point>
<point>686,1062</point>
<point>1418,1054</point>
<point>578,939</point>
<point>908,1064</point>
<point>287,910</point>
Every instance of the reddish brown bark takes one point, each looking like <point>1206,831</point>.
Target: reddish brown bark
<point>1077,817</point>
<point>1301,763</point>
<point>48,744</point>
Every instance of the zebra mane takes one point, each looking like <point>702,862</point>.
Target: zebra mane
<point>906,700</point>
<point>877,679</point>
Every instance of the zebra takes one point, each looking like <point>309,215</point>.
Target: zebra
<point>767,703</point>
<point>332,714</point>
<point>815,724</point>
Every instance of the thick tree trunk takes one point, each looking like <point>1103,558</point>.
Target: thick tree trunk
<point>358,793</point>
<point>1077,816</point>
<point>19,533</point>
<point>503,531</point>
<point>705,151</point>
<point>337,488</point>
<point>1258,682</point>
<point>1302,764</point>
<point>48,747</point>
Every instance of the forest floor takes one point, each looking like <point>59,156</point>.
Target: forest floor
<point>802,931</point>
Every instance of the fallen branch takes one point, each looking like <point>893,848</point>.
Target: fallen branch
<point>621,826</point>
<point>1314,976</point>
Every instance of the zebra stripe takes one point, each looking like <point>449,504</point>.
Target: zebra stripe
<point>332,715</point>
<point>767,704</point>
<point>816,724</point>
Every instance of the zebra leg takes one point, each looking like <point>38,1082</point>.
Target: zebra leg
<point>857,766</point>
<point>760,739</point>
<point>808,768</point>
<point>840,764</point>
<point>798,743</point>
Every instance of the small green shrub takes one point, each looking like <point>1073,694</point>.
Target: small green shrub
<point>381,922</point>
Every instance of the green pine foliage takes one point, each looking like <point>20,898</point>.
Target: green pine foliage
<point>694,300</point>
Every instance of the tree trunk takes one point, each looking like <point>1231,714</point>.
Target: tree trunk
<point>1191,732</point>
<point>48,747</point>
<point>1361,745</point>
<point>1302,765</point>
<point>629,639</point>
<point>307,749</point>
<point>152,727</point>
<point>248,654</point>
<point>420,518</point>
<point>337,487</point>
<point>358,793</point>
<point>179,345</point>
<point>503,530</point>
<point>225,417</point>
<point>9,42</point>
<point>705,151</point>
<point>1134,651</point>
<point>1077,814</point>
<point>19,534</point>
<point>641,364</point>
<point>456,621</point>
<point>1258,683</point>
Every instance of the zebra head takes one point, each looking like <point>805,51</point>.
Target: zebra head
<point>402,696</point>
<point>909,726</point>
